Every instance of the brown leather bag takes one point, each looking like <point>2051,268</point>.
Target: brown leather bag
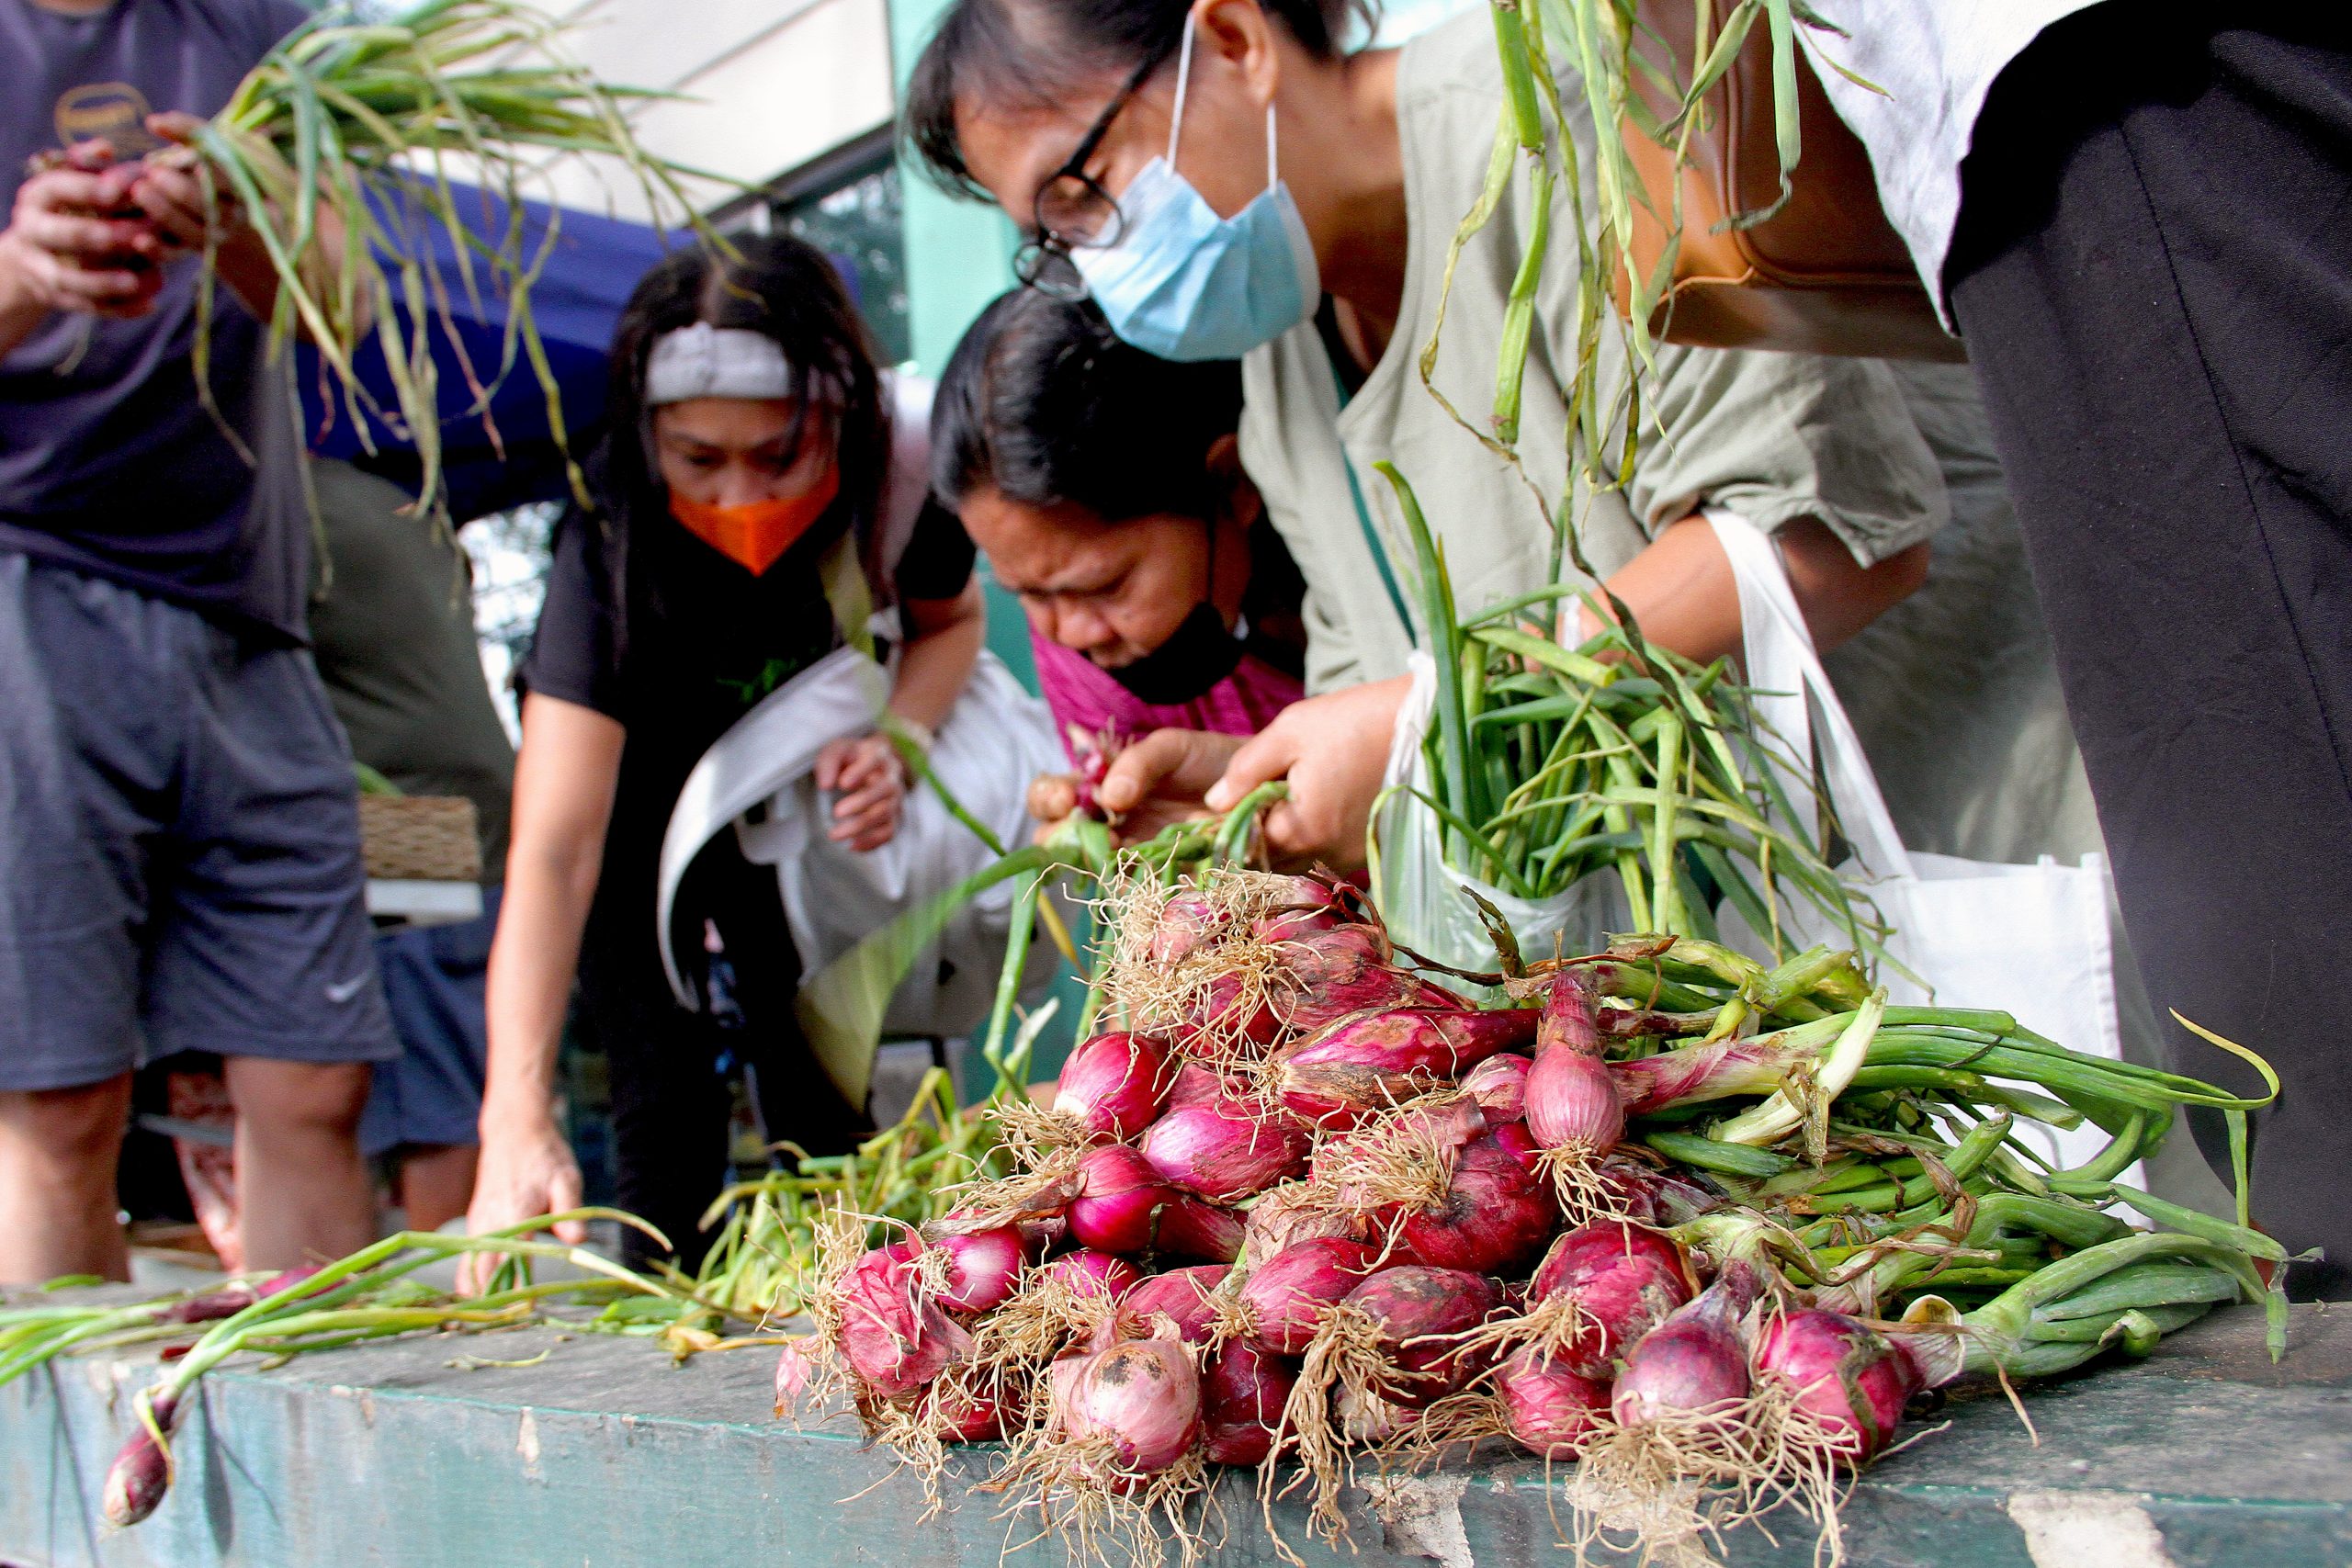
<point>1827,273</point>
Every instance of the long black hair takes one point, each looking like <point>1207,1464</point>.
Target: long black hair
<point>1026,52</point>
<point>1042,402</point>
<point>782,288</point>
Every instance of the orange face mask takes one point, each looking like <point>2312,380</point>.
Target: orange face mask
<point>754,534</point>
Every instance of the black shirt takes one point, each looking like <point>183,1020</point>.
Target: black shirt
<point>699,642</point>
<point>109,463</point>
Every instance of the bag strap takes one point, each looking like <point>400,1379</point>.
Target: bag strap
<point>1783,670</point>
<point>1372,539</point>
<point>848,594</point>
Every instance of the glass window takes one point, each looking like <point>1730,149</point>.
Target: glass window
<point>858,223</point>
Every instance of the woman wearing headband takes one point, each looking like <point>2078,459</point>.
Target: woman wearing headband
<point>753,467</point>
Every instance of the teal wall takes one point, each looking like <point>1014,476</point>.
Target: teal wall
<point>959,253</point>
<point>959,256</point>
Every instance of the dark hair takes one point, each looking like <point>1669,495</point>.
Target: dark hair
<point>780,289</point>
<point>1043,403</point>
<point>1004,49</point>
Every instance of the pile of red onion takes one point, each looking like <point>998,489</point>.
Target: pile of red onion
<point>1310,1200</point>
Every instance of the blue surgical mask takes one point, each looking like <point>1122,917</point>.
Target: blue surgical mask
<point>1183,283</point>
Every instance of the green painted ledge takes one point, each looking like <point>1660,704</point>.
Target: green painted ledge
<point>606,1457</point>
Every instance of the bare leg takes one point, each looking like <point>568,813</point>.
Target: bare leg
<point>305,1192</point>
<point>437,1183</point>
<point>58,1149</point>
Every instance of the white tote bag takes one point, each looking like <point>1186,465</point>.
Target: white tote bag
<point>758,778</point>
<point>2031,941</point>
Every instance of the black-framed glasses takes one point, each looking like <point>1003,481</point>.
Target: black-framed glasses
<point>1073,210</point>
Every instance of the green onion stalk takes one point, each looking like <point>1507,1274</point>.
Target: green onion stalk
<point>369,1295</point>
<point>1625,83</point>
<point>340,148</point>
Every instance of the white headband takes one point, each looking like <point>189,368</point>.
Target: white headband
<point>704,361</point>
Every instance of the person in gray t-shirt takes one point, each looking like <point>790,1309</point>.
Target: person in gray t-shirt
<point>179,854</point>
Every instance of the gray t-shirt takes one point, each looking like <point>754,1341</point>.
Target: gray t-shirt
<point>109,462</point>
<point>1773,436</point>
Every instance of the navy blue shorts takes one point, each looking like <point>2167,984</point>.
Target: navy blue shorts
<point>179,843</point>
<point>434,979</point>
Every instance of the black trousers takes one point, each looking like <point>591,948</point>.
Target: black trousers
<point>2153,272</point>
<point>672,1098</point>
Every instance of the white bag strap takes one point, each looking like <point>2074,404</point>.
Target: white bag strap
<point>766,749</point>
<point>1782,667</point>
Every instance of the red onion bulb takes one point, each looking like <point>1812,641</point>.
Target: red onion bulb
<point>1180,1295</point>
<point>1118,1201</point>
<point>1142,1394</point>
<point>1693,1363</point>
<point>1572,1102</point>
<point>892,1343</point>
<point>983,1267</point>
<point>1287,1299</point>
<point>1115,1083</point>
<point>1224,1152</point>
<point>1550,1411</point>
<point>1499,1085</point>
<point>1854,1382</point>
<point>142,1473</point>
<point>1242,1395</point>
<point>1092,1273</point>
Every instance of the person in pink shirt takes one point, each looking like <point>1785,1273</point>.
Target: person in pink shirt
<point>1105,487</point>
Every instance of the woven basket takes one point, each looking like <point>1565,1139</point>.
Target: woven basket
<point>424,838</point>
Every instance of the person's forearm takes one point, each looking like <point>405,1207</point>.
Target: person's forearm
<point>532,962</point>
<point>243,263</point>
<point>22,309</point>
<point>1684,597</point>
<point>933,669</point>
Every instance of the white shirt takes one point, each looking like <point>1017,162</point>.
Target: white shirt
<point>1937,60</point>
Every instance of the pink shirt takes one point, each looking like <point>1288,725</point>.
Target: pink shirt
<point>1083,696</point>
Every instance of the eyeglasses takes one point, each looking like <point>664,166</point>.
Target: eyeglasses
<point>1073,212</point>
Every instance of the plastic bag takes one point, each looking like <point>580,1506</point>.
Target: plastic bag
<point>758,778</point>
<point>1425,901</point>
<point>2031,941</point>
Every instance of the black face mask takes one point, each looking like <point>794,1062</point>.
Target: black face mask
<point>1196,656</point>
<point>1199,653</point>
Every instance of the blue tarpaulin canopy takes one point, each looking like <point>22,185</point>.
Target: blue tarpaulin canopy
<point>593,263</point>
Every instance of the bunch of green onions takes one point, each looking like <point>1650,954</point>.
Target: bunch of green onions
<point>372,1294</point>
<point>339,147</point>
<point>1549,764</point>
<point>1872,1146</point>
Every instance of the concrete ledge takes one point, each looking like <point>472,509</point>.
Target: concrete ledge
<point>605,1456</point>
